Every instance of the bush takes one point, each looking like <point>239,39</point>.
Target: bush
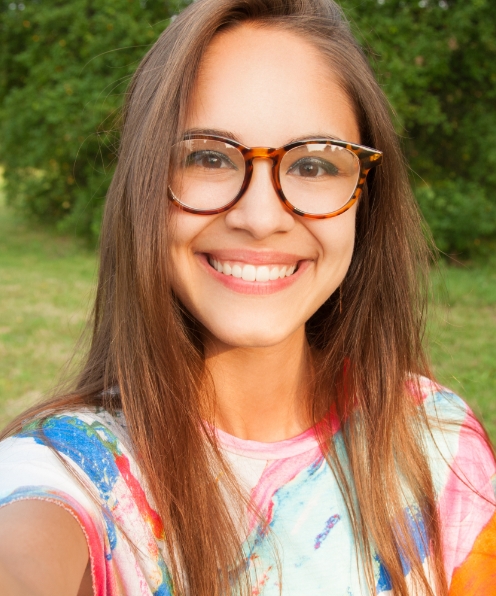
<point>461,217</point>
<point>436,61</point>
<point>65,67</point>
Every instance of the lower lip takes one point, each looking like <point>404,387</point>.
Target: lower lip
<point>253,287</point>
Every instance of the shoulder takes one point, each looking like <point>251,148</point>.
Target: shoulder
<point>86,428</point>
<point>454,438</point>
<point>72,453</point>
<point>464,473</point>
<point>449,416</point>
<point>438,401</point>
<point>74,434</point>
<point>83,461</point>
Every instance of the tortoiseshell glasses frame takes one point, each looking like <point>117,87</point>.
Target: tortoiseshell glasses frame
<point>367,159</point>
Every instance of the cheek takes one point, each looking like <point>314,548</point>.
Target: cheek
<point>184,228</point>
<point>336,238</point>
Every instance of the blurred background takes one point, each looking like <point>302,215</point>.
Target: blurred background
<point>64,68</point>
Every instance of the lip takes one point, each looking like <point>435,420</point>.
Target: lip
<point>254,287</point>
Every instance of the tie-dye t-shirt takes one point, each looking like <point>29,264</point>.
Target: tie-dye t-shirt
<point>289,482</point>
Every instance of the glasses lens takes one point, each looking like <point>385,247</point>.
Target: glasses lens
<point>206,174</point>
<point>319,178</point>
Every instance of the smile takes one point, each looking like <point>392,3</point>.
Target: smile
<point>249,272</point>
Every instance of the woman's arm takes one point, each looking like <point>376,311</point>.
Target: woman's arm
<point>43,550</point>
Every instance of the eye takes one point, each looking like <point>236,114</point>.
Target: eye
<point>313,167</point>
<point>209,160</point>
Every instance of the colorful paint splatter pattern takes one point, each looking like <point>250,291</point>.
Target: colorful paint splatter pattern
<point>305,543</point>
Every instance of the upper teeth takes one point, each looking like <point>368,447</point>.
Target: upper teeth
<point>252,272</point>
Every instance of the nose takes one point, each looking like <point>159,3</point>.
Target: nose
<point>260,212</point>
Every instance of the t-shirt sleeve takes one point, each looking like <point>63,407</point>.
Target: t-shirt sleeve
<point>465,474</point>
<point>82,461</point>
<point>29,470</point>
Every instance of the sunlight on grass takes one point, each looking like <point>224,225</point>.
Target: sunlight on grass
<point>46,284</point>
<point>462,336</point>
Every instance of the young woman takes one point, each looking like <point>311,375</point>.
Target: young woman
<point>254,415</point>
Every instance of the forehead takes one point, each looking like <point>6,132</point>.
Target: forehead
<point>268,86</point>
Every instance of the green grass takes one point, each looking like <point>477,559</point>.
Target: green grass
<point>46,285</point>
<point>462,336</point>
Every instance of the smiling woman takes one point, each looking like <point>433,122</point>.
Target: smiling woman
<point>255,414</point>
<point>234,93</point>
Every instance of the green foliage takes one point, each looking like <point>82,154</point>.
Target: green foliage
<point>437,64</point>
<point>65,66</point>
<point>461,217</point>
<point>436,60</point>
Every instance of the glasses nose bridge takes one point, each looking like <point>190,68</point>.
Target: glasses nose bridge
<point>269,153</point>
<point>262,153</point>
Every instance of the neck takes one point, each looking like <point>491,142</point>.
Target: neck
<point>261,393</point>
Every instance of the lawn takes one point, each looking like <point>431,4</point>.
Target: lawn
<point>462,336</point>
<point>47,282</point>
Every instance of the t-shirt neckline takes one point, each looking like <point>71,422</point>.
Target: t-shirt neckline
<point>258,450</point>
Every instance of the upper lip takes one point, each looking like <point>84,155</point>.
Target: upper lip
<point>255,257</point>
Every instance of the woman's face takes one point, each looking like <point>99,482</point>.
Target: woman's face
<point>264,87</point>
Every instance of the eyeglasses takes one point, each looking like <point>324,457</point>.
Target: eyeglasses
<point>316,178</point>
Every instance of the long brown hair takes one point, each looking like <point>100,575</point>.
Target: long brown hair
<point>145,343</point>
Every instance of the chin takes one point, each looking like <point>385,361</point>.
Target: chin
<point>251,336</point>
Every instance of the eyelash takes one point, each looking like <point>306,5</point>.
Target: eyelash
<point>193,157</point>
<point>325,165</point>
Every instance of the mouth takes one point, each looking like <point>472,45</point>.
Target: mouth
<point>251,272</point>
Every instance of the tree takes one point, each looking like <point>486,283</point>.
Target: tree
<point>64,70</point>
<point>436,61</point>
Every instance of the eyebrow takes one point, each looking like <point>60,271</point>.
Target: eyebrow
<point>229,135</point>
<point>211,131</point>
